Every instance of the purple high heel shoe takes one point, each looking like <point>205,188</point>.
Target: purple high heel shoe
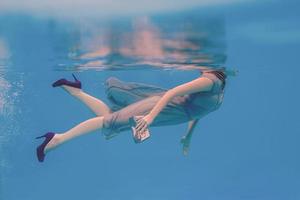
<point>60,82</point>
<point>40,149</point>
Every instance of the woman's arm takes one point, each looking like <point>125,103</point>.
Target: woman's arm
<point>191,126</point>
<point>186,139</point>
<point>197,85</point>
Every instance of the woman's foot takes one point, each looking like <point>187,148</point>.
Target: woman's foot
<point>74,88</point>
<point>64,82</point>
<point>51,141</point>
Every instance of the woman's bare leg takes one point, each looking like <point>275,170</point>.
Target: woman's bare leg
<point>81,129</point>
<point>96,105</point>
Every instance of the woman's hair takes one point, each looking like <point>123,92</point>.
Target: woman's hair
<point>220,74</point>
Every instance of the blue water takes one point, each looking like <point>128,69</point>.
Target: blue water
<point>248,149</point>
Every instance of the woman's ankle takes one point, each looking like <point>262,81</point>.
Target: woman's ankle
<point>55,142</point>
<point>71,90</point>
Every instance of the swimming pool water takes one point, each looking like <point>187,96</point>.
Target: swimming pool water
<point>248,149</point>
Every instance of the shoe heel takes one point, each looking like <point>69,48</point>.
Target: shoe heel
<point>74,77</point>
<point>39,137</point>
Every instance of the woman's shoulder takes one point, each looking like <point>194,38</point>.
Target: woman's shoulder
<point>217,78</point>
<point>210,76</point>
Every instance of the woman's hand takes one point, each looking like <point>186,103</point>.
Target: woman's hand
<point>143,123</point>
<point>185,141</point>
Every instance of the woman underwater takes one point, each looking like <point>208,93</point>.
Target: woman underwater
<point>157,107</point>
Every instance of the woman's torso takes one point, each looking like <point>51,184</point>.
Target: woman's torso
<point>193,106</point>
<point>200,104</point>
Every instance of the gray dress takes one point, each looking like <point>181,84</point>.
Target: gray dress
<point>130,99</point>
